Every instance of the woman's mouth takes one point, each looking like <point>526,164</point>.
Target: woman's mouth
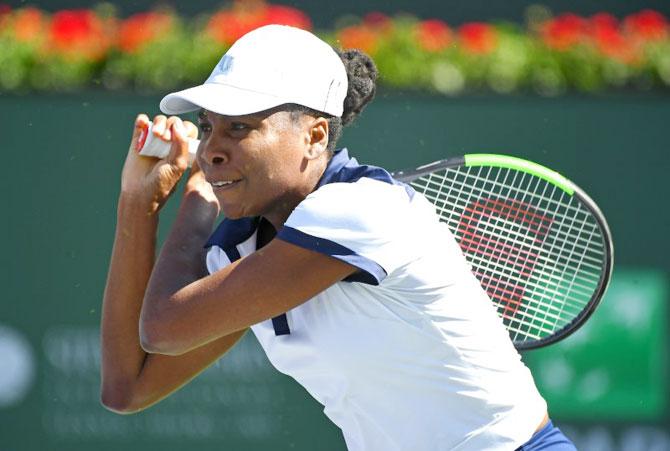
<point>223,184</point>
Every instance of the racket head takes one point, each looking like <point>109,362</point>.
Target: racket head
<point>538,244</point>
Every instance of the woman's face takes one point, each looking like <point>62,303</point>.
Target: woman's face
<point>257,164</point>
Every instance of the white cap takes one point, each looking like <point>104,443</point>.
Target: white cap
<point>267,67</point>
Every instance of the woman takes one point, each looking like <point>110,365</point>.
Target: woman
<point>346,277</point>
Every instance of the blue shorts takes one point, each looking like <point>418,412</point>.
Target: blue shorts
<point>548,438</point>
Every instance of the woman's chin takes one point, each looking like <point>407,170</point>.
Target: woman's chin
<point>233,211</point>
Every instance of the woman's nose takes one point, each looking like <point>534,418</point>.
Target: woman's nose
<point>214,153</point>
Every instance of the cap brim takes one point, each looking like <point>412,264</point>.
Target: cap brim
<point>218,98</point>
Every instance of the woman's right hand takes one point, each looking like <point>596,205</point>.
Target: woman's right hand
<point>151,181</point>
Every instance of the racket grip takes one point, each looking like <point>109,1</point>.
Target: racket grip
<point>151,146</point>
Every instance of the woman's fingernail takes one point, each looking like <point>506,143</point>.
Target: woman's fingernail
<point>179,128</point>
<point>141,139</point>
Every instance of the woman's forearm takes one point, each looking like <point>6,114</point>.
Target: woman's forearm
<point>181,262</point>
<point>182,256</point>
<point>130,267</point>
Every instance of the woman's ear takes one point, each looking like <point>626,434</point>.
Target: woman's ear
<point>318,138</point>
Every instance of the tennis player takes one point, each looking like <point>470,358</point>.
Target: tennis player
<point>346,277</point>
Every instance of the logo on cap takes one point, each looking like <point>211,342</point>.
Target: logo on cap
<point>226,64</point>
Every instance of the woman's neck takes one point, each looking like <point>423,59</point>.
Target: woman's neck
<point>284,206</point>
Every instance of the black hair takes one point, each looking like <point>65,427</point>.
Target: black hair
<point>362,76</point>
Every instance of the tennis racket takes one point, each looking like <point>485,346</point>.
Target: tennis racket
<point>537,243</point>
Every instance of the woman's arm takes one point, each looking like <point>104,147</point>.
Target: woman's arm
<point>179,315</point>
<point>131,378</point>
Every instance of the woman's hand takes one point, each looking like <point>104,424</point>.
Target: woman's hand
<point>149,180</point>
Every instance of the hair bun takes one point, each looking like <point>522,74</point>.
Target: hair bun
<point>362,75</point>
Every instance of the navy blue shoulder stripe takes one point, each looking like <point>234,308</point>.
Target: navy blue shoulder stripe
<point>344,169</point>
<point>370,272</point>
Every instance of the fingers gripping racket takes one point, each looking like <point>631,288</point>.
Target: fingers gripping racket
<point>538,244</point>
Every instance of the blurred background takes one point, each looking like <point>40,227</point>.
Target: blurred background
<point>582,87</point>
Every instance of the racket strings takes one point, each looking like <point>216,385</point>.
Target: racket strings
<point>516,214</point>
<point>544,290</point>
<point>454,201</point>
<point>574,252</point>
<point>537,251</point>
<point>587,257</point>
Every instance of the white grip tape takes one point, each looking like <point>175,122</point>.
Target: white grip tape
<point>156,147</point>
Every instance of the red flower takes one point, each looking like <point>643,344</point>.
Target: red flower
<point>359,37</point>
<point>433,35</point>
<point>609,40</point>
<point>285,15</point>
<point>29,24</point>
<point>143,28</point>
<point>564,31</point>
<point>78,34</point>
<point>378,21</point>
<point>603,21</point>
<point>647,25</point>
<point>367,35</point>
<point>478,38</point>
<point>228,26</point>
<point>612,43</point>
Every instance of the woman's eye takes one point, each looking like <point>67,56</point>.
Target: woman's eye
<point>238,126</point>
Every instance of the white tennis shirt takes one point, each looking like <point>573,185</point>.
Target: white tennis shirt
<point>408,353</point>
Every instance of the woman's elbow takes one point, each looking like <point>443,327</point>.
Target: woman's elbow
<point>156,338</point>
<point>118,401</point>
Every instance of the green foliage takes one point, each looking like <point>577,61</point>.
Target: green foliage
<point>158,51</point>
<point>16,61</point>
